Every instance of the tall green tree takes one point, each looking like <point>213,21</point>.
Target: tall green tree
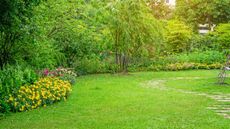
<point>177,37</point>
<point>160,9</point>
<point>210,12</point>
<point>14,27</point>
<point>132,26</point>
<point>76,28</point>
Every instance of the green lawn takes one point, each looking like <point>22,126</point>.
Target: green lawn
<point>124,102</point>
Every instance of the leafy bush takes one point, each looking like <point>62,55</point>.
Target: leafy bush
<point>222,36</point>
<point>86,66</point>
<point>4,107</point>
<point>41,54</point>
<point>44,92</point>
<point>195,60</point>
<point>105,63</point>
<point>205,57</point>
<point>218,40</point>
<point>203,43</point>
<point>11,78</point>
<point>179,66</point>
<point>187,66</point>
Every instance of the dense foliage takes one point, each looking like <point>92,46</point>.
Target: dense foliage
<point>58,38</point>
<point>16,32</point>
<point>221,37</point>
<point>132,27</point>
<point>177,37</point>
<point>210,12</point>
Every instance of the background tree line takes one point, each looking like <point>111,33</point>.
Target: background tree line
<point>109,36</point>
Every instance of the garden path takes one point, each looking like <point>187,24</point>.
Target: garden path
<point>223,100</point>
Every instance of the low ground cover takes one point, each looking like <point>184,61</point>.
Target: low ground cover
<point>127,102</point>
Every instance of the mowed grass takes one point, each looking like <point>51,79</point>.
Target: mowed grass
<point>123,102</point>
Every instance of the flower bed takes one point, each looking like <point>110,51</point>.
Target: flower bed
<point>44,92</point>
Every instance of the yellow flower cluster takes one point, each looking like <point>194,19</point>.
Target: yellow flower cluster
<point>44,92</point>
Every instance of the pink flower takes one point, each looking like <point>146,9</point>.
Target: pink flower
<point>59,69</point>
<point>46,72</point>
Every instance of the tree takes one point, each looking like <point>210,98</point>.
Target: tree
<point>177,37</point>
<point>14,19</point>
<point>132,26</point>
<point>160,9</point>
<point>196,12</point>
<point>76,28</point>
<point>221,11</point>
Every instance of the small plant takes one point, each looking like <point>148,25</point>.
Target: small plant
<point>67,74</point>
<point>46,91</point>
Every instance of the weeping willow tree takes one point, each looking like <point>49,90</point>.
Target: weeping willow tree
<point>132,27</point>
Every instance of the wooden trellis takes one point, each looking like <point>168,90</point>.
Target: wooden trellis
<point>222,75</point>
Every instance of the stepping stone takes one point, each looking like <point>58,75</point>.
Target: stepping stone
<point>226,108</point>
<point>221,105</point>
<point>219,108</point>
<point>224,100</point>
<point>202,94</point>
<point>213,108</point>
<point>225,115</point>
<point>222,111</point>
<point>219,97</point>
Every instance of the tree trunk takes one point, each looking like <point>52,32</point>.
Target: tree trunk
<point>124,63</point>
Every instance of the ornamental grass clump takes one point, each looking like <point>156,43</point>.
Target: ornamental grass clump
<point>44,92</point>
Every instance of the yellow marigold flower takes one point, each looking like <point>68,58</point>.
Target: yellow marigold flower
<point>15,104</point>
<point>48,88</point>
<point>11,98</point>
<point>38,97</point>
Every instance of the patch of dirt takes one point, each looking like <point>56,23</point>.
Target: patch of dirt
<point>159,84</point>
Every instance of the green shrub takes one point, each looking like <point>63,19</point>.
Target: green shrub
<point>203,43</point>
<point>11,78</point>
<point>86,66</point>
<point>205,57</point>
<point>95,64</point>
<point>4,107</point>
<point>222,36</point>
<point>42,54</point>
<point>183,61</point>
<point>188,66</point>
